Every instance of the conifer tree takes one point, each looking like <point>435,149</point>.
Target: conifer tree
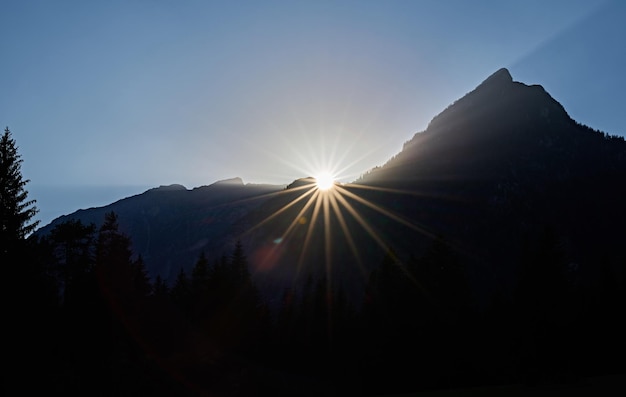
<point>114,260</point>
<point>72,247</point>
<point>239,263</point>
<point>141,279</point>
<point>181,291</point>
<point>200,276</point>
<point>200,290</point>
<point>16,210</point>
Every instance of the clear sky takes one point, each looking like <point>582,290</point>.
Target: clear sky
<point>108,98</point>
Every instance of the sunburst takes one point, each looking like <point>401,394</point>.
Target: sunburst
<point>324,181</point>
<point>320,211</point>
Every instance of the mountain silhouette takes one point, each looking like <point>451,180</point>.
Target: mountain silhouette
<point>170,225</point>
<point>489,175</point>
<point>502,164</point>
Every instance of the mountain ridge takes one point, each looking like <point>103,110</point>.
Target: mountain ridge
<point>494,168</point>
<point>202,212</point>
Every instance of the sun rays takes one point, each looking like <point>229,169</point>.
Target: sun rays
<point>321,221</point>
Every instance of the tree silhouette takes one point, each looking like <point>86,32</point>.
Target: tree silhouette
<point>16,209</point>
<point>200,276</point>
<point>72,248</point>
<point>113,261</point>
<point>181,291</point>
<point>239,263</point>
<point>243,305</point>
<point>160,288</point>
<point>20,270</point>
<point>200,299</point>
<point>141,280</point>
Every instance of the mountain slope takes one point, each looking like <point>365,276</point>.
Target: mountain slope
<point>493,174</point>
<point>502,164</point>
<point>170,225</point>
<point>490,175</point>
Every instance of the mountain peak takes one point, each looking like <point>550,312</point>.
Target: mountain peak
<point>502,75</point>
<point>232,181</point>
<point>497,111</point>
<point>485,96</point>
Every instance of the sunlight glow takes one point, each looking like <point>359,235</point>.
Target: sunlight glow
<point>324,181</point>
<point>322,218</point>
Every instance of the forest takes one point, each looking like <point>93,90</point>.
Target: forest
<point>86,319</point>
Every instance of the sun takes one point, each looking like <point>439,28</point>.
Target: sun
<point>324,181</point>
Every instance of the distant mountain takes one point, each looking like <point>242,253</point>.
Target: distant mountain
<point>490,175</point>
<point>171,225</point>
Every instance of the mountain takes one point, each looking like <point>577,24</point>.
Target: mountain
<point>492,176</point>
<point>503,164</point>
<point>170,225</point>
<point>488,252</point>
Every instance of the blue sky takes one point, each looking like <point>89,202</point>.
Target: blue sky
<point>107,99</point>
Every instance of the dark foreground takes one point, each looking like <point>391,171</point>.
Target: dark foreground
<point>608,385</point>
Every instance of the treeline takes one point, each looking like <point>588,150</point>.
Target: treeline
<point>89,320</point>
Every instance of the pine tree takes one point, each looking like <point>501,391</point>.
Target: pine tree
<point>114,260</point>
<point>239,263</point>
<point>200,276</point>
<point>72,245</point>
<point>20,298</point>
<point>181,291</point>
<point>16,211</point>
<point>141,279</point>
<point>200,290</point>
